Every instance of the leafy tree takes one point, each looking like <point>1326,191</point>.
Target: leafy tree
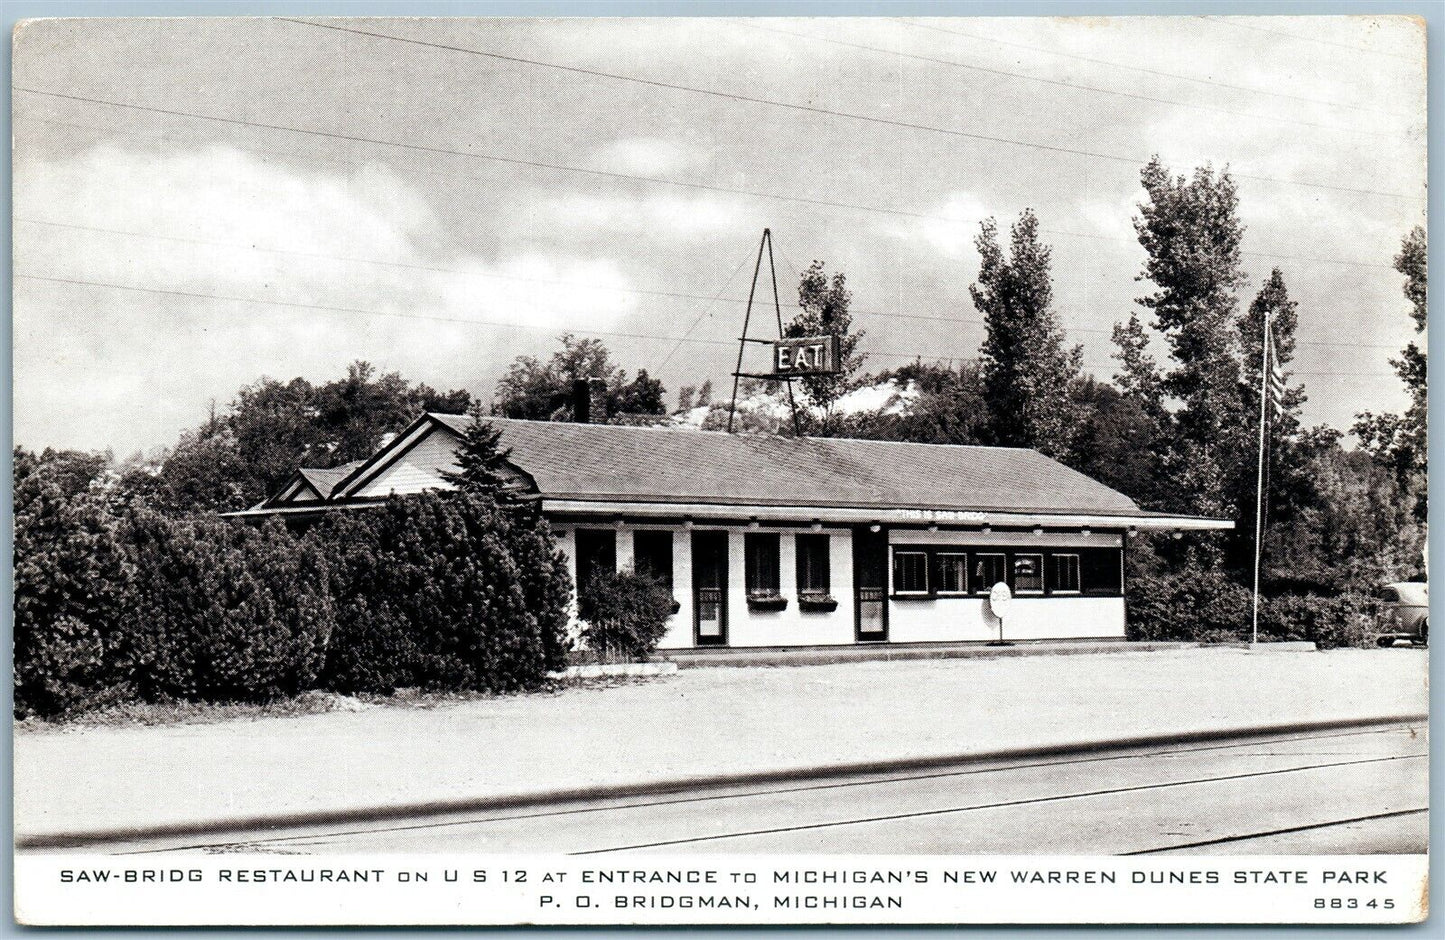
<point>539,391</point>
<point>1190,228</point>
<point>71,583</point>
<point>1399,441</point>
<point>947,407</point>
<point>1140,378</point>
<point>824,312</point>
<point>1116,441</point>
<point>1026,368</point>
<point>629,612</point>
<point>242,455</point>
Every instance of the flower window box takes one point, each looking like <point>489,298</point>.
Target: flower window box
<point>817,601</point>
<point>766,601</point>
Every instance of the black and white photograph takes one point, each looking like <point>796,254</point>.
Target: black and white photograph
<point>720,470</point>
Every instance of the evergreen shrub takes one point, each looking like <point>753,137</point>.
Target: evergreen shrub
<point>224,612</point>
<point>72,580</point>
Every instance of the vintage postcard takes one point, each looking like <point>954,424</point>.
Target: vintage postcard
<point>877,470</point>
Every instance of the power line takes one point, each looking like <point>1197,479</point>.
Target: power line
<point>471,321</point>
<point>1158,72</point>
<point>1233,21</point>
<point>1071,85</point>
<point>810,109</point>
<point>629,177</point>
<point>712,300</point>
<point>323,308</point>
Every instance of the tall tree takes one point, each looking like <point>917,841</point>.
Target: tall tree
<point>1190,228</point>
<point>824,312</point>
<point>1399,441</point>
<point>1026,366</point>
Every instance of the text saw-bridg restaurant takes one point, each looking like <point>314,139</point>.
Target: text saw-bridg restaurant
<point>782,541</point>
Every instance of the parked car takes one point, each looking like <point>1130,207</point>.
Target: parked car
<point>1407,613</point>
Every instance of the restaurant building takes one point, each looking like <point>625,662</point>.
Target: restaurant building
<point>781,541</point>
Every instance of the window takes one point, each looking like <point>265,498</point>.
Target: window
<point>596,552</point>
<point>987,571</point>
<point>1063,574</point>
<point>812,564</point>
<point>1101,572</point>
<point>952,573</point>
<point>1028,574</point>
<point>760,551</point>
<point>652,555</point>
<point>910,572</point>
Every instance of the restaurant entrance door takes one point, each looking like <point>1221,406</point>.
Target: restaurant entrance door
<point>710,588</point>
<point>870,584</point>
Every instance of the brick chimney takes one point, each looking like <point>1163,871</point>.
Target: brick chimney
<point>589,401</point>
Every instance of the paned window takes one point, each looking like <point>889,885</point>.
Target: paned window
<point>988,570</point>
<point>1063,574</point>
<point>952,573</point>
<point>1028,574</point>
<point>910,572</point>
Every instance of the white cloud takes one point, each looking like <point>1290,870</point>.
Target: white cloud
<point>646,155</point>
<point>221,223</point>
<point>955,226</point>
<point>662,214</point>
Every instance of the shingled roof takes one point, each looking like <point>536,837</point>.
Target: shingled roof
<point>672,465</point>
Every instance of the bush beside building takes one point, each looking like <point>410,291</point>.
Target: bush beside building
<point>444,591</point>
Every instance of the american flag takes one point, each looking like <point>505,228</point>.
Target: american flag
<point>1275,379</point>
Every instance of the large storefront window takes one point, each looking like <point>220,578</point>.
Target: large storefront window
<point>952,573</point>
<point>988,570</point>
<point>924,571</point>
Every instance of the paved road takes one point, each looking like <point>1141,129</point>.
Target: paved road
<point>1346,791</point>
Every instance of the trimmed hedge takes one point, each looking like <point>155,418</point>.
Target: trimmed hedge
<point>1204,606</point>
<point>224,612</point>
<point>446,592</point>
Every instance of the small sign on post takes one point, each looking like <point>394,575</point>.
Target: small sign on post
<point>807,355</point>
<point>999,599</point>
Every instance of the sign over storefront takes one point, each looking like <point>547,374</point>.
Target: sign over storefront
<point>807,355</point>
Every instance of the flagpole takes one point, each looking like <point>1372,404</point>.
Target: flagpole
<point>1259,477</point>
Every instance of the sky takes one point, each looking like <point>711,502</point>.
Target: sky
<point>203,202</point>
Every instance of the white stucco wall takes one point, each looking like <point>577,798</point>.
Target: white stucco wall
<point>956,619</point>
<point>791,626</point>
<point>909,621</point>
<point>947,619</point>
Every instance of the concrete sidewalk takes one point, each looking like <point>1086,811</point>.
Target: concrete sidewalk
<point>697,723</point>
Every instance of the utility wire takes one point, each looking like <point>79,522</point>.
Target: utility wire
<point>1072,85</point>
<point>170,292</point>
<point>712,300</point>
<point>812,109</point>
<point>1234,21</point>
<point>323,308</point>
<point>803,200</point>
<point>1157,72</point>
